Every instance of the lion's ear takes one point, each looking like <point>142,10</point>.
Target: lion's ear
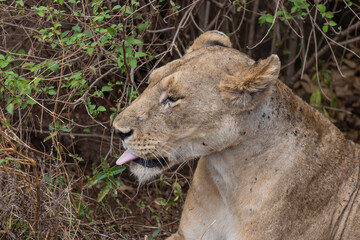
<point>210,38</point>
<point>247,90</point>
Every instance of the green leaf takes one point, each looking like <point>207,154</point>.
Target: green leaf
<point>90,51</point>
<point>30,101</point>
<point>65,129</point>
<point>329,15</point>
<point>133,63</point>
<point>53,66</point>
<point>160,201</point>
<point>111,31</point>
<point>156,232</point>
<point>101,109</point>
<point>99,19</point>
<point>49,137</point>
<point>51,92</point>
<point>106,89</point>
<point>21,52</point>
<point>86,130</point>
<point>116,7</point>
<point>10,108</point>
<point>131,40</point>
<point>140,54</point>
<point>65,33</point>
<point>41,13</point>
<point>315,98</point>
<point>57,24</point>
<point>321,8</point>
<point>116,170</point>
<point>325,113</point>
<point>76,28</point>
<point>279,13</point>
<point>332,23</point>
<point>269,18</point>
<point>177,190</point>
<point>103,193</point>
<point>3,64</point>
<point>112,118</point>
<point>88,33</point>
<point>325,28</point>
<point>127,10</point>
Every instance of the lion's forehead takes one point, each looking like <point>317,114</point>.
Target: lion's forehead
<point>202,61</point>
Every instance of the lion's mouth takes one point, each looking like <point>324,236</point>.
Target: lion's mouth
<point>127,156</point>
<point>161,162</point>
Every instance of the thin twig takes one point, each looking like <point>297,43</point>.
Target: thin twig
<point>272,24</point>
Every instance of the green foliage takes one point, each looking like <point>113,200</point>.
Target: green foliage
<point>324,84</point>
<point>104,177</point>
<point>21,89</point>
<point>299,9</point>
<point>327,15</point>
<point>74,61</point>
<point>239,3</point>
<point>82,206</point>
<point>177,194</point>
<point>175,7</point>
<point>133,94</point>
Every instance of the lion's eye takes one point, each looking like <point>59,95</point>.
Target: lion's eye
<point>169,100</point>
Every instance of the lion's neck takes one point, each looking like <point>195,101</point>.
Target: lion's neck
<point>274,140</point>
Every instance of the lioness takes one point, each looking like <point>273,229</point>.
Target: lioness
<point>271,167</point>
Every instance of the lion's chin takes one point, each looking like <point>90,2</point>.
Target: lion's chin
<point>144,174</point>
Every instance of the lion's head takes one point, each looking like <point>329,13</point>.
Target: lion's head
<point>192,105</point>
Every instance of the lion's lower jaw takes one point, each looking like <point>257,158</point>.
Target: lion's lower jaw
<point>144,174</point>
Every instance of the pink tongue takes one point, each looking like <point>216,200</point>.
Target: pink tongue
<point>127,156</point>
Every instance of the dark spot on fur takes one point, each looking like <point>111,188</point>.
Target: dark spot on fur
<point>204,144</point>
<point>216,43</point>
<point>263,115</point>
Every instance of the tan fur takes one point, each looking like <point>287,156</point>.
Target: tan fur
<point>271,166</point>
<point>208,39</point>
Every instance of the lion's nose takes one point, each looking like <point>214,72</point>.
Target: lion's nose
<point>124,132</point>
